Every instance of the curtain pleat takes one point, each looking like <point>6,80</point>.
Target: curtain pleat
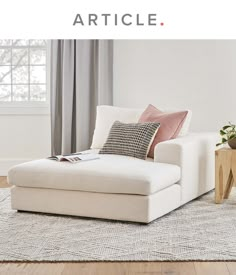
<point>81,79</point>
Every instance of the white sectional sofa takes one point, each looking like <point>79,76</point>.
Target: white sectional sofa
<point>118,187</point>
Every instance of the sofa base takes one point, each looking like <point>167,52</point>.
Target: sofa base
<point>135,208</point>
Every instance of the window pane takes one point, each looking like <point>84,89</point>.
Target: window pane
<point>19,56</point>
<point>5,57</point>
<point>5,74</point>
<point>36,42</point>
<point>5,92</point>
<point>38,92</point>
<point>23,70</point>
<point>20,92</point>
<point>37,74</point>
<point>20,42</point>
<point>5,42</point>
<point>20,75</point>
<point>37,56</point>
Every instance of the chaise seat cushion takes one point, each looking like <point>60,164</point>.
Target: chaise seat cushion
<point>108,174</point>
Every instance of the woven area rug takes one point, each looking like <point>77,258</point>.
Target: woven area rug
<point>200,230</point>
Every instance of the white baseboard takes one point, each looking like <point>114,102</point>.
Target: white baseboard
<point>6,164</point>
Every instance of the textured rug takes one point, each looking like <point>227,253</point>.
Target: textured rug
<point>200,230</point>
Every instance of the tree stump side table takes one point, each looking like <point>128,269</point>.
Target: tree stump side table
<point>225,173</point>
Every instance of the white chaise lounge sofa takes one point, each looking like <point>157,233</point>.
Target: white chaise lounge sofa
<point>118,187</point>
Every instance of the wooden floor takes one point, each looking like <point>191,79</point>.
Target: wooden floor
<point>117,268</point>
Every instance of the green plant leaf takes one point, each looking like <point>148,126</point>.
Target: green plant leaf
<point>218,144</point>
<point>224,140</point>
<point>232,136</point>
<point>222,133</point>
<point>226,127</point>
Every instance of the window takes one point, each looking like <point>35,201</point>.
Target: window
<point>23,74</point>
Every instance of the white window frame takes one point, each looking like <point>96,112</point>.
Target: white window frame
<point>31,108</point>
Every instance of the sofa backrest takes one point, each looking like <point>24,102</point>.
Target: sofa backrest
<point>107,115</point>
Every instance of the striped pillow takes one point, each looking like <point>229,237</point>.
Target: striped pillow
<point>130,139</point>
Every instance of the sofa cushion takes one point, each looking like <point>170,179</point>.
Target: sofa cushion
<point>130,139</point>
<point>107,115</point>
<point>108,174</point>
<point>171,124</point>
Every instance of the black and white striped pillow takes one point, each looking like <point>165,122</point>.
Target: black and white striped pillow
<point>130,139</point>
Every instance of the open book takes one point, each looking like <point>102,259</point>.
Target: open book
<point>74,158</point>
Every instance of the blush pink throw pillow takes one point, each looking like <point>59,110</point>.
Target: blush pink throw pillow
<point>171,124</point>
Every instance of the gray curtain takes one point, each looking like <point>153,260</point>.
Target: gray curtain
<point>81,78</point>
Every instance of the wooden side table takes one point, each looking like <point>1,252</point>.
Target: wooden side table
<point>225,173</point>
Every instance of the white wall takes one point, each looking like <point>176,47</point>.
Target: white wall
<point>199,75</point>
<point>23,138</point>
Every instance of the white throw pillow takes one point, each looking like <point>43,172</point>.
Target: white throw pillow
<point>107,115</point>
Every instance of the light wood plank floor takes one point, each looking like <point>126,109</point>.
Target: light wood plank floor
<point>117,268</point>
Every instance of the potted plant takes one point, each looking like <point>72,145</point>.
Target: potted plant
<point>228,134</point>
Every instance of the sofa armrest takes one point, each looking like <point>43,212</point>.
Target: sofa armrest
<point>194,153</point>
